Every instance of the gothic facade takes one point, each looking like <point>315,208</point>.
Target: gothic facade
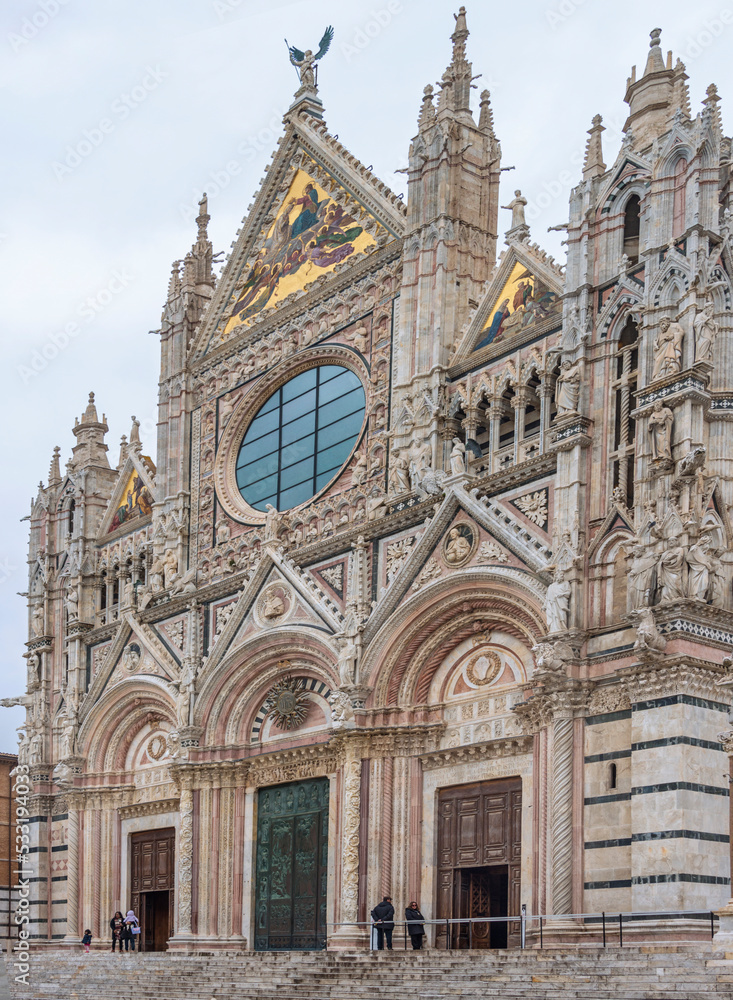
<point>428,587</point>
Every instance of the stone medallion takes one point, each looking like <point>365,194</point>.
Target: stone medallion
<point>483,667</point>
<point>274,605</point>
<point>459,544</point>
<point>157,746</point>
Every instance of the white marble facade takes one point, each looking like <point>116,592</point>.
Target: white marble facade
<point>521,569</point>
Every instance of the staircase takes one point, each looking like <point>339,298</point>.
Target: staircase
<point>639,973</point>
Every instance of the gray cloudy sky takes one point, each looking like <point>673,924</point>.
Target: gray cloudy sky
<point>119,114</point>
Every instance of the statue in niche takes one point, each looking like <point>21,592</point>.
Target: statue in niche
<point>703,566</point>
<point>274,606</point>
<point>557,603</point>
<point>668,349</point>
<point>32,666</point>
<point>516,206</point>
<point>706,330</point>
<point>399,476</point>
<point>660,432</point>
<point>642,575</point>
<point>131,657</point>
<point>170,568</point>
<point>459,544</point>
<point>458,457</point>
<point>567,393</point>
<point>222,532</point>
<point>672,571</point>
<point>37,623</point>
<point>347,662</point>
<point>359,472</point>
<point>72,603</point>
<point>157,573</point>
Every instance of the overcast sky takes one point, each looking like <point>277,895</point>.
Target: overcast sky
<point>119,114</point>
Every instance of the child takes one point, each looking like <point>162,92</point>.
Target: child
<point>87,940</point>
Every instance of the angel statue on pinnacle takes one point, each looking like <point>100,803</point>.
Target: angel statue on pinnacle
<point>305,62</point>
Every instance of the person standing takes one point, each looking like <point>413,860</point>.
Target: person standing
<point>383,917</point>
<point>415,926</point>
<point>87,940</point>
<point>117,925</point>
<point>131,930</point>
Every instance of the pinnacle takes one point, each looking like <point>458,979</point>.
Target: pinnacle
<point>655,60</point>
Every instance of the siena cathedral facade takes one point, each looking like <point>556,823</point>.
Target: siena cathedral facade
<point>426,586</point>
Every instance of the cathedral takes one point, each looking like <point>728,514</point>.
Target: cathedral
<point>425,588</point>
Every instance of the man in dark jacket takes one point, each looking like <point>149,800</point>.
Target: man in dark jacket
<point>415,926</point>
<point>383,917</point>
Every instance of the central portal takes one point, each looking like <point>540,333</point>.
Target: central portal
<point>292,864</point>
<point>479,863</point>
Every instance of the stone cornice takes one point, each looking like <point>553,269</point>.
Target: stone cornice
<point>665,676</point>
<point>148,808</point>
<point>476,752</point>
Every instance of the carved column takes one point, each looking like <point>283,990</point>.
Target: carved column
<point>546,392</point>
<point>495,409</point>
<point>349,935</point>
<point>561,850</point>
<point>185,863</point>
<point>72,875</point>
<point>519,403</point>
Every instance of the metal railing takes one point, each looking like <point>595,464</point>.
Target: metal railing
<point>611,925</point>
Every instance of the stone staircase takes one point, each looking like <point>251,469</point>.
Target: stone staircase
<point>635,973</point>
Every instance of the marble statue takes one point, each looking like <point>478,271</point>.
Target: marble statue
<point>359,472</point>
<point>706,330</point>
<point>458,547</point>
<point>516,206</point>
<point>305,62</point>
<point>157,572</point>
<point>668,349</point>
<point>347,662</point>
<point>37,623</point>
<point>222,532</point>
<point>458,457</point>
<point>648,636</point>
<point>399,476</point>
<point>567,393</point>
<point>672,571</point>
<point>170,568</point>
<point>702,566</point>
<point>660,431</point>
<point>642,575</point>
<point>557,603</point>
<point>72,603</point>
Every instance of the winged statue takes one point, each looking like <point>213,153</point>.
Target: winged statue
<point>305,62</point>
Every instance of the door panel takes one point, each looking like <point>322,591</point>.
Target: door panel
<point>152,854</point>
<point>479,859</point>
<point>292,866</point>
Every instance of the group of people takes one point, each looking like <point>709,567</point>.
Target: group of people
<point>125,930</point>
<point>383,922</point>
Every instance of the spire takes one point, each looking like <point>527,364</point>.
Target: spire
<point>427,111</point>
<point>655,60</point>
<point>54,472</point>
<point>123,451</point>
<point>680,91</point>
<point>593,165</point>
<point>711,112</point>
<point>89,432</point>
<point>455,85</point>
<point>486,115</point>
<point>174,284</point>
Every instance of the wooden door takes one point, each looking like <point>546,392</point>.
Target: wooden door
<point>152,884</point>
<point>479,856</point>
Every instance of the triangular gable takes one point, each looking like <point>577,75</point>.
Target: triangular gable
<point>420,566</point>
<point>628,167</point>
<point>131,503</point>
<point>318,210</point>
<point>523,294</point>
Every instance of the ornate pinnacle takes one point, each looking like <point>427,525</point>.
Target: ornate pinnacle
<point>593,165</point>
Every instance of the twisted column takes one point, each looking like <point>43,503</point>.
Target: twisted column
<point>562,814</point>
<point>387,807</point>
<point>350,841</point>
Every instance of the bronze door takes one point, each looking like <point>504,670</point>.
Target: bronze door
<point>479,861</point>
<point>152,885</point>
<point>292,863</point>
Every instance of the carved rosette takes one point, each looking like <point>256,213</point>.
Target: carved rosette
<point>350,845</point>
<point>185,861</point>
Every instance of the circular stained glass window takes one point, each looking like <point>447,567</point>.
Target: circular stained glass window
<point>301,437</point>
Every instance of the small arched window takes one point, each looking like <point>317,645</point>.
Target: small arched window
<point>612,776</point>
<point>72,508</point>
<point>632,228</point>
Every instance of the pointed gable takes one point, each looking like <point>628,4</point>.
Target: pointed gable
<point>131,504</point>
<point>522,297</point>
<point>318,211</point>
